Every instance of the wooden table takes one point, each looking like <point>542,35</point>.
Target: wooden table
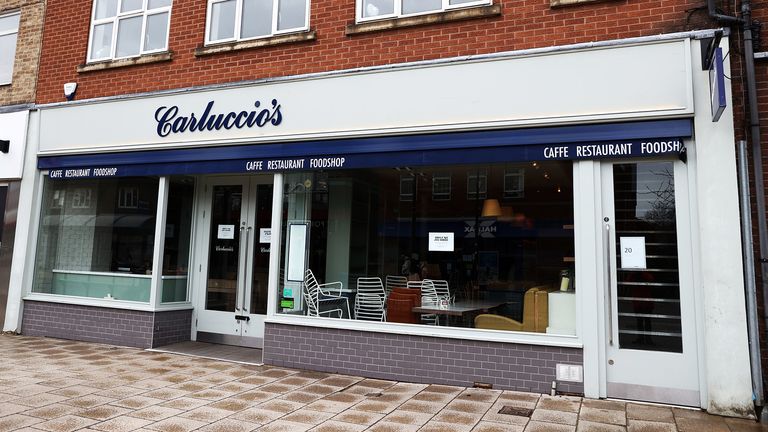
<point>462,309</point>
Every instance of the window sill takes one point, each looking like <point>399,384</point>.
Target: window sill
<point>435,18</point>
<point>255,43</point>
<point>133,61</point>
<point>542,339</point>
<point>560,3</point>
<point>104,303</point>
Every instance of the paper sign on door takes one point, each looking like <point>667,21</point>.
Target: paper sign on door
<point>632,252</point>
<point>265,235</point>
<point>441,242</point>
<point>226,232</point>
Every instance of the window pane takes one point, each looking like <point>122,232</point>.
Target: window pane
<point>501,271</point>
<point>416,6</point>
<point>7,56</point>
<point>106,8</point>
<point>223,20</point>
<point>154,4</point>
<point>102,41</point>
<point>372,8</point>
<point>456,2</point>
<point>156,32</point>
<point>89,246</point>
<point>131,5</point>
<point>128,37</point>
<point>178,232</point>
<point>257,18</point>
<point>291,14</point>
<point>9,23</point>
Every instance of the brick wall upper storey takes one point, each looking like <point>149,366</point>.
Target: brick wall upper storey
<point>28,44</point>
<point>521,24</point>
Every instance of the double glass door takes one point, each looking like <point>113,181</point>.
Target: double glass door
<point>651,351</point>
<point>236,220</point>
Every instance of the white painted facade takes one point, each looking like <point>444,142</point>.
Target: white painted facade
<point>626,80</point>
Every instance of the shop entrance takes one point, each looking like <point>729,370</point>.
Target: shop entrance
<point>236,218</point>
<point>651,350</point>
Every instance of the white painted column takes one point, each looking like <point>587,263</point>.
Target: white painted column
<point>27,220</point>
<point>720,285</point>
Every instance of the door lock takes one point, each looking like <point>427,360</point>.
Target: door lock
<point>610,362</point>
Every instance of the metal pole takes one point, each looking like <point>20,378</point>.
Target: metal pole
<point>749,275</point>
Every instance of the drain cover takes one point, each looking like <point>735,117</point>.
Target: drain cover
<point>516,411</point>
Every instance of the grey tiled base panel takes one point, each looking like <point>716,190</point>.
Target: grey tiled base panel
<point>106,325</point>
<point>419,359</point>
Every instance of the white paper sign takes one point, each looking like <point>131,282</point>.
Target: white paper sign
<point>632,252</point>
<point>226,232</point>
<point>265,235</point>
<point>441,242</point>
<point>297,252</point>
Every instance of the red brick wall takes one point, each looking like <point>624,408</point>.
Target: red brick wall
<point>522,24</point>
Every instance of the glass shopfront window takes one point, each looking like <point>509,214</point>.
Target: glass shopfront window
<point>97,237</point>
<point>415,245</point>
<point>178,232</point>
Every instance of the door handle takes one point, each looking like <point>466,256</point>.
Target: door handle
<point>608,287</point>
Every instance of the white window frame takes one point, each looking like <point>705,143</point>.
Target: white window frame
<point>439,195</point>
<point>15,48</point>
<point>238,19</point>
<point>398,10</point>
<point>481,190</point>
<point>81,198</point>
<point>128,197</point>
<point>405,196</point>
<point>514,173</point>
<point>123,15</point>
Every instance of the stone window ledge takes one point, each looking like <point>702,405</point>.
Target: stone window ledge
<point>255,43</point>
<point>434,18</point>
<point>560,3</point>
<point>133,61</point>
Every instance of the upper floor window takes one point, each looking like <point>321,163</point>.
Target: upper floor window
<point>9,30</point>
<point>378,9</point>
<point>128,28</point>
<point>231,20</point>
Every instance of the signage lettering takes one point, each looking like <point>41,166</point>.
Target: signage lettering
<point>83,173</point>
<point>169,121</point>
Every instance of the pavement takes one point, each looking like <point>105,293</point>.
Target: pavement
<point>60,386</point>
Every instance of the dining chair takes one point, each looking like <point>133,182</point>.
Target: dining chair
<point>370,299</point>
<point>392,282</point>
<point>316,294</point>
<point>429,297</point>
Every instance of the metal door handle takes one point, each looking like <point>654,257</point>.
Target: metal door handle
<point>608,287</point>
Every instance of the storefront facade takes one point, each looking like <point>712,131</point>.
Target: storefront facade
<point>568,207</point>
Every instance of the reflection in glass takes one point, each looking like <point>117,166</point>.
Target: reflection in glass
<point>291,14</point>
<point>101,250</point>
<point>105,9</point>
<point>130,5</point>
<point>373,8</point>
<point>223,20</point>
<point>154,4</point>
<point>156,32</point>
<point>261,249</point>
<point>257,18</point>
<point>455,2</point>
<point>128,37</point>
<point>101,46</point>
<point>7,56</point>
<point>178,231</point>
<point>418,6</point>
<point>224,248</point>
<point>648,298</point>
<point>386,223</point>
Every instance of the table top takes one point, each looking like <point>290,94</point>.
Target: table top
<point>459,308</point>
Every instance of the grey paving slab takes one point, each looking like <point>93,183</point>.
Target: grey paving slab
<point>62,386</point>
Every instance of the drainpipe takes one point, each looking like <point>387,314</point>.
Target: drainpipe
<point>757,163</point>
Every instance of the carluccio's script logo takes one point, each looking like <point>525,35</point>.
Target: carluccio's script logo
<point>170,121</point>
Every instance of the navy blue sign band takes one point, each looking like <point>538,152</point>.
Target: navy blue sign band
<point>581,151</point>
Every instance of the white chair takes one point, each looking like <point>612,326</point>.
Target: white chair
<point>443,291</point>
<point>370,299</point>
<point>428,298</point>
<point>392,282</point>
<point>316,294</point>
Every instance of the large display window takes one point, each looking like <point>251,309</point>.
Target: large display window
<point>476,246</point>
<point>97,239</point>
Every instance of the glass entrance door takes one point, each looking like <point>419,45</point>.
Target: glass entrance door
<point>651,342</point>
<point>237,216</point>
